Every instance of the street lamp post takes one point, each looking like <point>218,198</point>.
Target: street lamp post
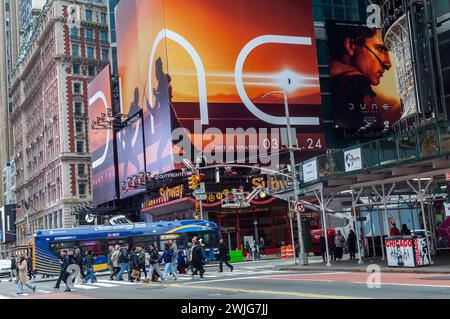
<point>303,257</point>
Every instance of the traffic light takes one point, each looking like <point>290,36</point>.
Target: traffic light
<point>193,182</point>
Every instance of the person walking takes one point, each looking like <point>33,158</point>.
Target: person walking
<point>339,242</point>
<point>13,268</point>
<point>124,260</point>
<point>154,265</point>
<point>262,246</point>
<point>132,264</point>
<point>109,260</point>
<point>189,257</point>
<point>255,248</point>
<point>140,258</point>
<point>23,276</point>
<point>115,254</point>
<point>31,274</point>
<point>181,262</point>
<point>351,241</point>
<point>168,258</point>
<point>224,256</point>
<point>405,231</point>
<point>197,260</point>
<point>65,262</point>
<point>78,259</point>
<point>90,273</point>
<point>248,250</point>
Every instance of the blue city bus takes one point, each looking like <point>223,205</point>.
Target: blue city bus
<point>49,243</point>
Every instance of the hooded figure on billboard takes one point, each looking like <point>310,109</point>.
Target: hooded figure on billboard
<point>359,59</point>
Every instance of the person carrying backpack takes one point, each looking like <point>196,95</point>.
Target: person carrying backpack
<point>140,262</point>
<point>89,262</point>
<point>154,264</point>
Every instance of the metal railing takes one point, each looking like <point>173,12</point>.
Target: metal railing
<point>409,146</point>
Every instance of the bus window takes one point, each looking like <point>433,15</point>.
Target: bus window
<point>69,246</point>
<point>96,246</point>
<point>144,242</point>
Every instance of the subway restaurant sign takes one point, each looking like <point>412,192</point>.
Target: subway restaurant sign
<point>166,194</point>
<point>273,184</point>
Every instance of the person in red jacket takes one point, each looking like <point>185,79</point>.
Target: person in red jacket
<point>394,230</point>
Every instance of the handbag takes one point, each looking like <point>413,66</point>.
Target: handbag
<point>135,273</point>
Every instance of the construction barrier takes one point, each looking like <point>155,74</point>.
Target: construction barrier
<point>287,252</point>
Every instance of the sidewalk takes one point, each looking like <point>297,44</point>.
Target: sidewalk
<point>441,265</point>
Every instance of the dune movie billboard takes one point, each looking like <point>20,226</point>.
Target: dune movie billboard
<point>205,68</point>
<point>101,138</point>
<point>363,79</point>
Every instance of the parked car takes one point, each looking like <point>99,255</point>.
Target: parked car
<point>5,267</point>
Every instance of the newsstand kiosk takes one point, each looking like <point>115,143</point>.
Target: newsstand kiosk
<point>407,251</point>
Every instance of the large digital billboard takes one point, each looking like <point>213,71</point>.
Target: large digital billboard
<point>209,73</point>
<point>363,79</point>
<point>101,139</point>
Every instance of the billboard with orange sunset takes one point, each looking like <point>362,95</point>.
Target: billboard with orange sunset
<point>206,67</point>
<point>101,140</point>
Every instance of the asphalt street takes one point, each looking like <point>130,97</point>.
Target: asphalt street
<point>255,280</point>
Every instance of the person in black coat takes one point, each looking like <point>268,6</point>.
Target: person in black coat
<point>65,262</point>
<point>351,241</point>
<point>323,247</point>
<point>224,256</point>
<point>197,260</point>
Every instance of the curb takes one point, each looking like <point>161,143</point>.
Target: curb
<point>383,270</point>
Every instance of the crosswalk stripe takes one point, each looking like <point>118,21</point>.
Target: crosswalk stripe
<point>4,297</point>
<point>116,282</point>
<point>44,291</point>
<point>84,287</point>
<point>101,284</point>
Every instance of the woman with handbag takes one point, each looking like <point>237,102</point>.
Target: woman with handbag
<point>155,271</point>
<point>23,276</point>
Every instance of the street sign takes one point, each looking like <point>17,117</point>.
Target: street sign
<point>299,206</point>
<point>201,197</point>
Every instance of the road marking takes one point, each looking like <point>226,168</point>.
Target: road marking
<point>270,292</point>
<point>4,297</point>
<point>44,291</point>
<point>85,287</point>
<point>101,284</point>
<point>400,284</point>
<point>116,282</point>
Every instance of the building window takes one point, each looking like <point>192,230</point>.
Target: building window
<point>82,189</point>
<point>80,147</point>
<point>91,70</point>
<point>103,18</point>
<point>76,69</point>
<point>79,127</point>
<point>89,35</point>
<point>90,52</point>
<point>88,15</point>
<point>104,37</point>
<point>74,32</point>
<point>77,88</point>
<point>75,50</point>
<point>81,170</point>
<point>78,109</point>
<point>105,55</point>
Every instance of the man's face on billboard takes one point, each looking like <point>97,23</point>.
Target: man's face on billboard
<point>365,60</point>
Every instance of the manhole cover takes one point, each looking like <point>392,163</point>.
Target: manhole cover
<point>437,278</point>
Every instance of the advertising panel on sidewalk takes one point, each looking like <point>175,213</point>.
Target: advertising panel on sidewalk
<point>193,73</point>
<point>8,224</point>
<point>101,139</point>
<point>363,79</point>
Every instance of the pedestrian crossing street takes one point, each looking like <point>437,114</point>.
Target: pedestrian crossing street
<point>106,284</point>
